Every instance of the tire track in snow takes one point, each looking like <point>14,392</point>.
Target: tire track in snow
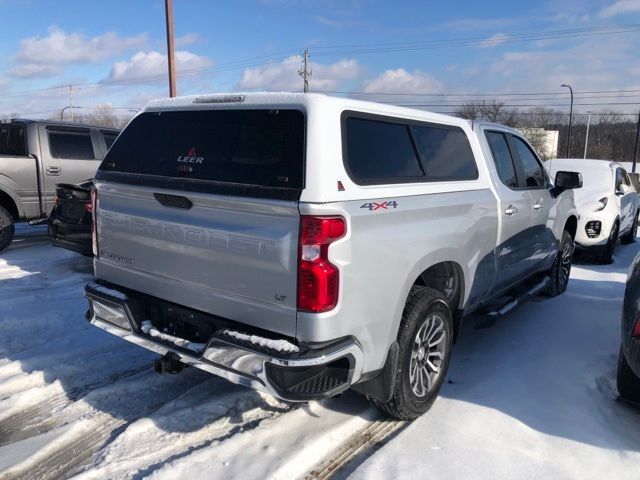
<point>88,434</point>
<point>145,447</point>
<point>37,419</point>
<point>357,448</point>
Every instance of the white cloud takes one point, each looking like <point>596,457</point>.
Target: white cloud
<point>148,65</point>
<point>494,40</point>
<point>284,76</point>
<point>401,81</point>
<point>59,47</point>
<point>620,7</point>
<point>34,70</point>
<point>187,39</point>
<point>590,65</point>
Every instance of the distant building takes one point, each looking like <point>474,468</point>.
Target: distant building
<point>544,141</point>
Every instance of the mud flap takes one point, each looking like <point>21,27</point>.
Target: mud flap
<point>380,387</point>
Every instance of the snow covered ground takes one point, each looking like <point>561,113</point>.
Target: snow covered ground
<point>532,397</point>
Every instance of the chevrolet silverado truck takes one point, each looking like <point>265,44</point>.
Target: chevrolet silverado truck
<point>35,155</point>
<point>301,244</point>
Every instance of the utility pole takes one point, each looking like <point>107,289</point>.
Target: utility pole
<point>71,101</point>
<point>170,57</point>
<point>305,71</point>
<point>635,150</point>
<point>570,118</point>
<point>586,138</point>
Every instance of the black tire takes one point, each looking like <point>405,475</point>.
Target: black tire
<point>630,236</point>
<point>425,305</point>
<point>628,382</point>
<point>606,257</point>
<point>7,229</point>
<point>559,273</point>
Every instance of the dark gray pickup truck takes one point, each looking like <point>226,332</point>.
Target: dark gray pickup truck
<point>35,155</point>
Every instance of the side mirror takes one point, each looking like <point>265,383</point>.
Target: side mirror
<point>568,180</point>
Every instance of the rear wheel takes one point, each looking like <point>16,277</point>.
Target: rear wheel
<point>424,340</point>
<point>606,256</point>
<point>628,382</point>
<point>559,274</point>
<point>630,236</point>
<point>7,229</point>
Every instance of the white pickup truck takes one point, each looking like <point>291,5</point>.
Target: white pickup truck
<point>302,244</point>
<point>35,155</point>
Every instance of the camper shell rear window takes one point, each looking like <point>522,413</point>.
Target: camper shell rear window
<point>247,148</point>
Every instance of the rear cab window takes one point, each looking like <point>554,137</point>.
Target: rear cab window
<point>12,139</point>
<point>202,149</point>
<point>71,144</point>
<point>384,150</point>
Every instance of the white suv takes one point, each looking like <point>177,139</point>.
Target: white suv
<point>608,205</point>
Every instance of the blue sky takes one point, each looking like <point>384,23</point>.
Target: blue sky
<point>114,52</point>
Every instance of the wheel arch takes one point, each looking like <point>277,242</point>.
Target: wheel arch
<point>571,226</point>
<point>448,278</point>
<point>10,205</point>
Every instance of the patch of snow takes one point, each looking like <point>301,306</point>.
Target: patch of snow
<point>108,291</point>
<point>277,345</point>
<point>532,397</point>
<point>149,329</point>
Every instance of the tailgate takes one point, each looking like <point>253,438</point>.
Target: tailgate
<point>72,201</point>
<point>229,256</point>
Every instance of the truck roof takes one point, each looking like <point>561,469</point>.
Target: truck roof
<point>219,100</point>
<point>59,123</point>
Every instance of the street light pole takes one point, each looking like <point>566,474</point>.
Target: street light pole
<point>570,118</point>
<point>170,57</point>
<point>635,149</point>
<point>586,138</point>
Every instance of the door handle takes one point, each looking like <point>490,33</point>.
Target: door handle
<point>54,171</point>
<point>510,210</point>
<point>537,206</point>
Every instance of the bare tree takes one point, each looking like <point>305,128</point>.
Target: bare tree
<point>103,115</point>
<point>494,112</point>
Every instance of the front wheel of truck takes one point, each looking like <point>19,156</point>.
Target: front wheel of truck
<point>424,340</point>
<point>559,273</point>
<point>7,229</point>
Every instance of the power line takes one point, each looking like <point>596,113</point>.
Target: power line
<point>480,38</point>
<point>477,94</point>
<point>512,105</point>
<point>482,41</point>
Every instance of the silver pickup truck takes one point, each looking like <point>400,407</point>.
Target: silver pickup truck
<point>35,155</point>
<point>302,244</point>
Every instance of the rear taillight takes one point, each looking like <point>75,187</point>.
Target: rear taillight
<point>636,328</point>
<point>318,279</point>
<point>94,222</point>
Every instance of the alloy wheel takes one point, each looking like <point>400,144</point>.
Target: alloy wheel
<point>565,262</point>
<point>427,355</point>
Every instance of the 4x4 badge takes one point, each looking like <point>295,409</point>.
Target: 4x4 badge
<point>380,206</point>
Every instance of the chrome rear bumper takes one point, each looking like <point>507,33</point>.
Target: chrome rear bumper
<point>109,310</point>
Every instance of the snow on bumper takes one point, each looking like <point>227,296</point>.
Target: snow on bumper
<point>314,374</point>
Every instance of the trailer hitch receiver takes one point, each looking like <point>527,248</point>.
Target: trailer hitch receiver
<point>169,363</point>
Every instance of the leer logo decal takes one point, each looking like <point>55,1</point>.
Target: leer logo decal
<point>191,157</point>
<point>372,206</point>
